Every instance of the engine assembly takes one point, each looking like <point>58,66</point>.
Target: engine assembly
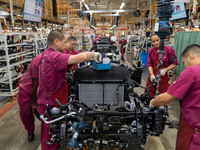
<point>104,111</point>
<point>105,45</point>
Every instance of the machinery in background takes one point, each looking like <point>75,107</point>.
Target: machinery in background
<point>106,46</point>
<point>163,28</point>
<point>104,111</point>
<point>15,55</point>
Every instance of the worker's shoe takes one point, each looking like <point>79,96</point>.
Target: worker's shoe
<point>31,137</point>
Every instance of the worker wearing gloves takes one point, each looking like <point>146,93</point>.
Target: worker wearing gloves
<point>187,90</point>
<point>52,78</point>
<point>27,96</point>
<point>123,43</point>
<point>169,60</point>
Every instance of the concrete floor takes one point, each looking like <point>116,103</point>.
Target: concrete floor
<point>14,137</point>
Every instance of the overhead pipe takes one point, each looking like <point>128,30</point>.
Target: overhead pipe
<point>11,12</point>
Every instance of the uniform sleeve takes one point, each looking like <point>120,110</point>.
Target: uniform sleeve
<point>182,85</point>
<point>149,62</point>
<point>120,41</point>
<point>60,61</point>
<point>35,66</point>
<point>76,52</point>
<point>173,59</point>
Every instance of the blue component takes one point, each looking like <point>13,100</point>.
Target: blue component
<point>103,55</point>
<point>164,28</point>
<point>144,58</point>
<point>100,66</point>
<point>73,143</point>
<point>163,23</point>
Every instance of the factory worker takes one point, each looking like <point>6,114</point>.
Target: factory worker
<point>27,96</point>
<point>52,77</point>
<point>71,45</point>
<point>123,42</point>
<point>169,60</point>
<point>187,90</point>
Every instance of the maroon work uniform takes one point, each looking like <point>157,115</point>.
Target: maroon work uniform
<point>122,49</point>
<point>168,58</point>
<point>27,92</point>
<point>187,90</point>
<point>52,83</point>
<point>74,66</point>
<point>74,52</point>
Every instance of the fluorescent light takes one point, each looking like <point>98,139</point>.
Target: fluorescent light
<point>83,0</point>
<point>113,27</point>
<point>87,7</point>
<point>122,5</point>
<point>93,27</point>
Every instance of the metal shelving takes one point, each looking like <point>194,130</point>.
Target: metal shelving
<point>13,53</point>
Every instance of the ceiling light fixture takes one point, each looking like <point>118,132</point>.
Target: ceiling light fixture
<point>113,27</point>
<point>86,6</point>
<point>93,27</point>
<point>122,5</point>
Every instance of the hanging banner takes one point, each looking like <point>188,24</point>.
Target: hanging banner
<point>181,1</point>
<point>178,11</point>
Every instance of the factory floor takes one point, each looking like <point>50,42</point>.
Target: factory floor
<point>14,137</point>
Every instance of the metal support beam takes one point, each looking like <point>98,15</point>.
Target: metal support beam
<point>150,14</point>
<point>68,13</point>
<point>108,11</point>
<point>11,12</point>
<point>108,5</point>
<point>90,18</point>
<point>115,15</point>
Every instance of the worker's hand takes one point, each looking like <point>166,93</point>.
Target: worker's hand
<point>152,78</point>
<point>97,57</point>
<point>150,104</point>
<point>163,72</point>
<point>124,46</point>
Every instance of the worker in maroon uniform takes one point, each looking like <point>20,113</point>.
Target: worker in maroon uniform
<point>71,45</point>
<point>187,90</point>
<point>52,78</point>
<point>123,43</point>
<point>169,60</point>
<point>27,96</point>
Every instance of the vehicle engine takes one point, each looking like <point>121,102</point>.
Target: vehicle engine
<point>104,111</point>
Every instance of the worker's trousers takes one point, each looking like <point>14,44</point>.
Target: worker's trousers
<point>45,136</point>
<point>26,113</point>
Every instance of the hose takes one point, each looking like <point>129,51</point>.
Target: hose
<point>172,78</point>
<point>15,96</point>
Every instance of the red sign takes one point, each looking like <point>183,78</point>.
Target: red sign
<point>86,29</point>
<point>122,29</point>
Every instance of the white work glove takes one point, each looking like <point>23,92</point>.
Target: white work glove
<point>163,72</point>
<point>97,57</point>
<point>124,46</point>
<point>152,78</point>
<point>150,104</point>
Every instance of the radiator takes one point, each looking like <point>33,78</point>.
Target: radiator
<point>103,93</point>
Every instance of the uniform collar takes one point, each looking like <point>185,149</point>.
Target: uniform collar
<point>69,51</point>
<point>50,49</point>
